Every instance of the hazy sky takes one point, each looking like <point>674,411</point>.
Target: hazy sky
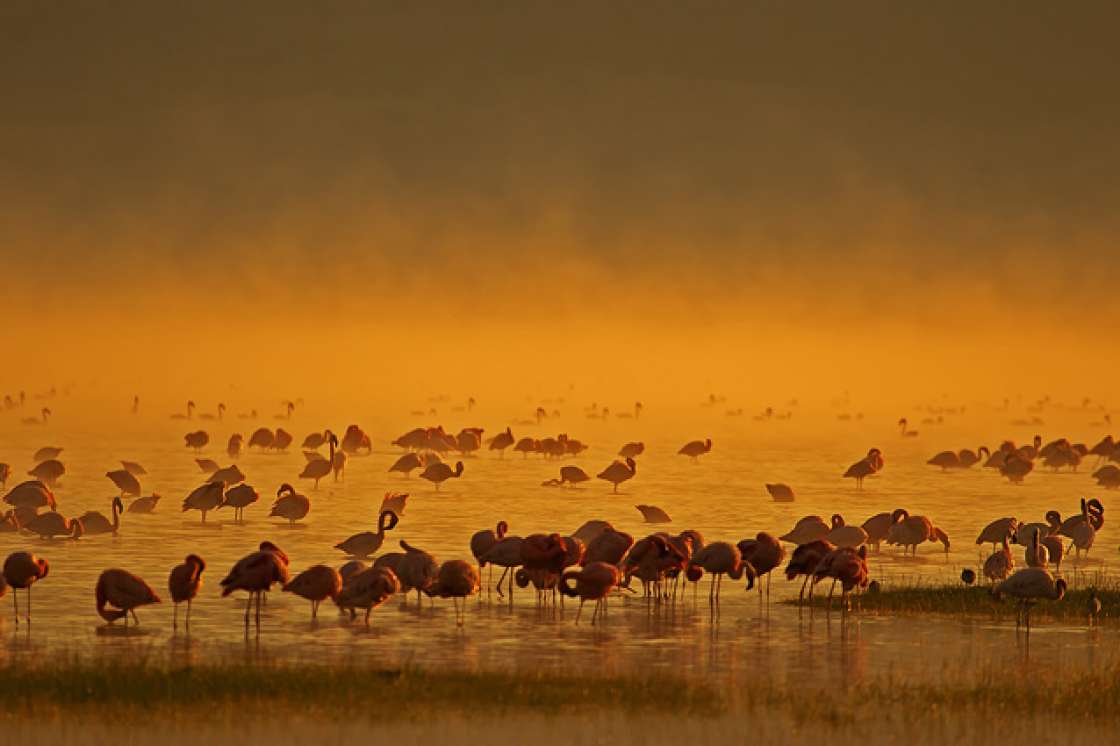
<point>812,167</point>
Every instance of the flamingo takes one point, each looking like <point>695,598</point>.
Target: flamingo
<point>44,414</point>
<point>806,557</point>
<point>123,591</point>
<point>608,546</point>
<point>1037,555</point>
<point>407,463</point>
<point>256,573</point>
<point>183,584</point>
<point>764,553</point>
<point>456,580</point>
<point>619,472</point>
<point>501,442</point>
<point>1083,533</point>
<point>997,531</point>
<point>694,449</point>
<point>48,472</point>
<point>877,528</point>
<point>593,582</point>
<point>32,495</point>
<point>632,450</point>
<point>21,571</point>
<point>720,558</point>
<point>369,589</point>
<point>205,498</point>
<point>505,553</point>
<point>439,473</point>
<point>910,531</point>
<point>145,504</point>
<point>233,446</point>
<point>1028,585</point>
<point>570,475</point>
<point>46,453</point>
<point>321,467</point>
<point>207,466</point>
<point>367,542</point>
<point>544,557</point>
<point>290,504</point>
<point>808,529</point>
<point>417,569</point>
<point>218,417</point>
<point>316,584</point>
<point>262,438</point>
<point>188,416</point>
<point>845,536</point>
<point>946,460</point>
<point>50,525</point>
<point>395,502</point>
<point>94,523</point>
<point>781,493</point>
<point>239,498</point>
<point>133,468</point>
<point>653,514</point>
<point>845,565</point>
<point>1001,563</point>
<point>482,542</point>
<point>870,464</point>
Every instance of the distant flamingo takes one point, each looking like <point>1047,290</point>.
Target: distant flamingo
<point>320,468</point>
<point>696,448</point>
<point>366,543</point>
<point>619,472</point>
<point>439,473</point>
<point>501,442</point>
<point>188,416</point>
<point>290,504</point>
<point>808,529</point>
<point>781,493</point>
<point>94,523</point>
<point>205,498</point>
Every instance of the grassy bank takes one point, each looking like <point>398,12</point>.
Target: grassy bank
<point>960,599</point>
<point>112,690</point>
<point>76,690</point>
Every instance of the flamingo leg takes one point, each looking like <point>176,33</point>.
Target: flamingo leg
<point>15,600</point>
<point>188,613</point>
<point>500,579</point>
<point>175,618</point>
<point>580,609</point>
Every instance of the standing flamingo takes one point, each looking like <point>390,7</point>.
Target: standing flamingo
<point>183,583</point>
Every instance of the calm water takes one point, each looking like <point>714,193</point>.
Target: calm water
<point>723,497</point>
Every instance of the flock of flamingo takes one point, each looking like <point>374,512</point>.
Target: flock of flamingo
<point>590,564</point>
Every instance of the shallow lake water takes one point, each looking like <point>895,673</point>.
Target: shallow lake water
<point>722,496</point>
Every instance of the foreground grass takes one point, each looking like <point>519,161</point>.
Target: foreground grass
<point>123,694</point>
<point>111,689</point>
<point>960,599</point>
